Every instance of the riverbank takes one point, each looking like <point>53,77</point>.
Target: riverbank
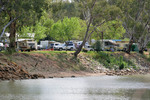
<point>50,64</point>
<point>46,64</point>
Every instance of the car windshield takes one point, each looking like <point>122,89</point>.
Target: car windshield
<point>31,44</point>
<point>52,44</point>
<point>57,44</point>
<point>70,44</point>
<point>1,44</point>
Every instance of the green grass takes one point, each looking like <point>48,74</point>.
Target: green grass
<point>112,62</point>
<point>48,52</point>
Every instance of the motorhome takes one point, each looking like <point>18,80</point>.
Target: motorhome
<point>26,44</point>
<point>121,44</point>
<point>107,44</point>
<point>46,44</point>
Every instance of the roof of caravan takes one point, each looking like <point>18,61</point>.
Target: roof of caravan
<point>24,39</point>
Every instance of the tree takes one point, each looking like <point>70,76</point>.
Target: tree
<point>110,30</point>
<point>64,8</point>
<point>66,29</point>
<point>17,11</point>
<point>41,29</point>
<point>136,21</point>
<point>96,13</point>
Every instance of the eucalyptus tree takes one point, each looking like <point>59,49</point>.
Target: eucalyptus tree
<point>64,8</point>
<point>110,30</point>
<point>136,21</point>
<point>96,13</point>
<point>19,12</point>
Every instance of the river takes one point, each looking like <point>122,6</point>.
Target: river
<point>81,88</point>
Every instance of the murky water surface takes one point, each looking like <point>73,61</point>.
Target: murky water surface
<point>82,88</point>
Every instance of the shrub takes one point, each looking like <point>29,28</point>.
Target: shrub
<point>112,62</point>
<point>97,46</point>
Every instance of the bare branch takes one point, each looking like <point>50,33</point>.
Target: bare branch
<point>7,26</point>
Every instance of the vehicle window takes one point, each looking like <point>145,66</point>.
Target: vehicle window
<point>56,44</point>
<point>31,44</point>
<point>51,44</point>
<point>70,44</point>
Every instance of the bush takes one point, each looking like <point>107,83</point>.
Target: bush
<point>97,46</point>
<point>112,62</point>
<point>121,66</point>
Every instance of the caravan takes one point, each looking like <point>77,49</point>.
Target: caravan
<point>26,45</point>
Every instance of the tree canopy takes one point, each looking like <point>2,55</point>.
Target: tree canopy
<point>62,20</point>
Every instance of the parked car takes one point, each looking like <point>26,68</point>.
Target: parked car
<point>79,43</point>
<point>88,48</point>
<point>1,46</point>
<point>69,45</point>
<point>56,46</point>
<point>39,47</point>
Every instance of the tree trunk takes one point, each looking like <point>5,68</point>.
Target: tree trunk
<point>141,51</point>
<point>85,38</point>
<point>80,48</point>
<point>12,36</point>
<point>130,45</point>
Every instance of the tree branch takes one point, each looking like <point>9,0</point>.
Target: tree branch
<point>2,9</point>
<point>7,26</point>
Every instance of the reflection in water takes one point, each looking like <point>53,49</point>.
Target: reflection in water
<point>84,88</point>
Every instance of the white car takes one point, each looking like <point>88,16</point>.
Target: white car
<point>70,46</point>
<point>88,48</point>
<point>56,46</point>
<point>39,47</point>
<point>1,46</point>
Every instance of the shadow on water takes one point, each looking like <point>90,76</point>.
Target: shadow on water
<point>82,88</point>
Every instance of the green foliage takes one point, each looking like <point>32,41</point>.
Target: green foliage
<point>114,30</point>
<point>66,29</point>
<point>97,46</point>
<point>111,30</point>
<point>61,9</point>
<point>41,29</point>
<point>113,62</point>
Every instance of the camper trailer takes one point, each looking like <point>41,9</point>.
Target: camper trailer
<point>27,45</point>
<point>122,45</point>
<point>107,45</point>
<point>46,44</point>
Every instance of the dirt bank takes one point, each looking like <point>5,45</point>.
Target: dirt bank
<point>60,64</point>
<point>10,70</point>
<point>46,65</point>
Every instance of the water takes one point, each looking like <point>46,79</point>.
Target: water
<point>82,88</point>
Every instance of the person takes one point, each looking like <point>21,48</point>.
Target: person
<point>112,49</point>
<point>5,46</point>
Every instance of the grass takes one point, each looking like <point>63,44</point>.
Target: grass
<point>48,52</point>
<point>108,59</point>
<point>112,62</point>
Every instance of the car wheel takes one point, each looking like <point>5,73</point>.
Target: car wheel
<point>60,49</point>
<point>71,49</point>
